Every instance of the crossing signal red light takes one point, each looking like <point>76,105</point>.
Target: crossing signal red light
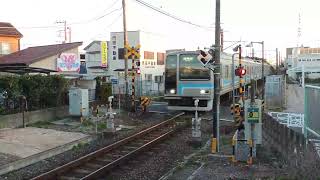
<point>240,72</point>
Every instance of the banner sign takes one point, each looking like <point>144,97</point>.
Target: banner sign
<point>104,54</point>
<point>68,62</point>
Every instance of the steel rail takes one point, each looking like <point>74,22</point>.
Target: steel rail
<point>59,171</point>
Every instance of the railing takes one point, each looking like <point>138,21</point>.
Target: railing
<point>289,119</point>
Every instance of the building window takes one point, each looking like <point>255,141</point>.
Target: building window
<point>160,58</point>
<point>158,79</point>
<point>120,53</point>
<point>148,77</point>
<point>148,55</point>
<point>82,56</point>
<point>4,48</point>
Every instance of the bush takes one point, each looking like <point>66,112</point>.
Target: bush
<point>40,91</point>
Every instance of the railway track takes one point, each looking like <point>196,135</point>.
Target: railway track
<point>98,163</point>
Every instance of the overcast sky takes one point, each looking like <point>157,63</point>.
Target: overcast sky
<point>273,21</point>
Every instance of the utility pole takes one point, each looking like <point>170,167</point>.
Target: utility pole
<point>277,61</point>
<point>65,29</point>
<point>125,42</point>
<point>263,82</point>
<point>216,99</point>
<point>69,28</point>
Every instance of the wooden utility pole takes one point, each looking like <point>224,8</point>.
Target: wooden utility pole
<point>277,61</point>
<point>125,42</point>
<point>216,99</point>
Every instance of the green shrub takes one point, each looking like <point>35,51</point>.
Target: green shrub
<point>40,91</point>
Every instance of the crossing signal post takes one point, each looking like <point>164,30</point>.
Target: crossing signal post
<point>211,60</point>
<point>133,52</point>
<point>241,72</point>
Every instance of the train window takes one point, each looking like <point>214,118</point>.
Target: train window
<point>191,68</point>
<point>226,72</point>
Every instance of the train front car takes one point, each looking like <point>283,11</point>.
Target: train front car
<point>187,80</point>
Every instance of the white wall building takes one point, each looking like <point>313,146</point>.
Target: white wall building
<point>307,57</point>
<point>152,56</point>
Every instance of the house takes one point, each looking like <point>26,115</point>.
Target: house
<point>51,59</point>
<point>96,63</point>
<point>56,58</point>
<point>9,38</point>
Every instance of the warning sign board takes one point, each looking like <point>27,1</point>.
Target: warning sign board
<point>253,115</point>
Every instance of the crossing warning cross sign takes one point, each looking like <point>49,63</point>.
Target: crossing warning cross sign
<point>133,51</point>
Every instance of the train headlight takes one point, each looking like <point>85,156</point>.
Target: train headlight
<point>202,91</point>
<point>172,91</point>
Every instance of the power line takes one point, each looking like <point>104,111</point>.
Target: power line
<point>113,22</point>
<point>171,15</point>
<point>96,18</point>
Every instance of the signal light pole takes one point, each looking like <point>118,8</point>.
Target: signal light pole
<point>216,99</point>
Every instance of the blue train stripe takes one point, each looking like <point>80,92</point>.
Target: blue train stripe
<point>192,85</point>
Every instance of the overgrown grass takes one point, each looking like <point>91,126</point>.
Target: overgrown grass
<point>40,124</point>
<point>79,146</point>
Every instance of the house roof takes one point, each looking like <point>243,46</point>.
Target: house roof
<point>18,69</point>
<point>34,54</point>
<point>89,45</point>
<point>7,29</point>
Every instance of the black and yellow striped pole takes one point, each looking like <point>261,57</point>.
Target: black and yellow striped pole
<point>241,83</point>
<point>133,107</point>
<point>133,52</point>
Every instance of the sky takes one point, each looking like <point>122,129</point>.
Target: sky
<point>273,21</point>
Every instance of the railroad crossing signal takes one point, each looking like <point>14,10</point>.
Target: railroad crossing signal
<point>204,57</point>
<point>132,51</point>
<point>240,71</point>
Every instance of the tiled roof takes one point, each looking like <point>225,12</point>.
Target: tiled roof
<point>7,29</point>
<point>34,54</point>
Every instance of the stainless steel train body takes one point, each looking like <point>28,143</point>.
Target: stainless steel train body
<point>186,79</point>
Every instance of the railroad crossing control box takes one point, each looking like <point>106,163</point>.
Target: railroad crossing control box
<point>253,120</point>
<point>79,102</point>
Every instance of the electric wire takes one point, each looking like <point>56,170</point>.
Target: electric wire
<point>171,15</point>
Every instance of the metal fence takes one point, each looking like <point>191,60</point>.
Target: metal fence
<point>142,87</point>
<point>19,103</point>
<point>275,92</point>
<point>312,110</point>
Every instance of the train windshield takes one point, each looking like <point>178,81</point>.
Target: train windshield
<point>191,68</point>
<point>171,67</point>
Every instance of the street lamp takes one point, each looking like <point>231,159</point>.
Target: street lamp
<point>262,70</point>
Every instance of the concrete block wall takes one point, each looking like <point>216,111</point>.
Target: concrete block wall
<point>15,120</point>
<point>299,153</point>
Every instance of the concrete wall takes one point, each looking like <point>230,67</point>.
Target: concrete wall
<point>300,154</point>
<point>15,120</point>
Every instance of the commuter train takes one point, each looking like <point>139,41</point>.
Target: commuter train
<point>187,80</point>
